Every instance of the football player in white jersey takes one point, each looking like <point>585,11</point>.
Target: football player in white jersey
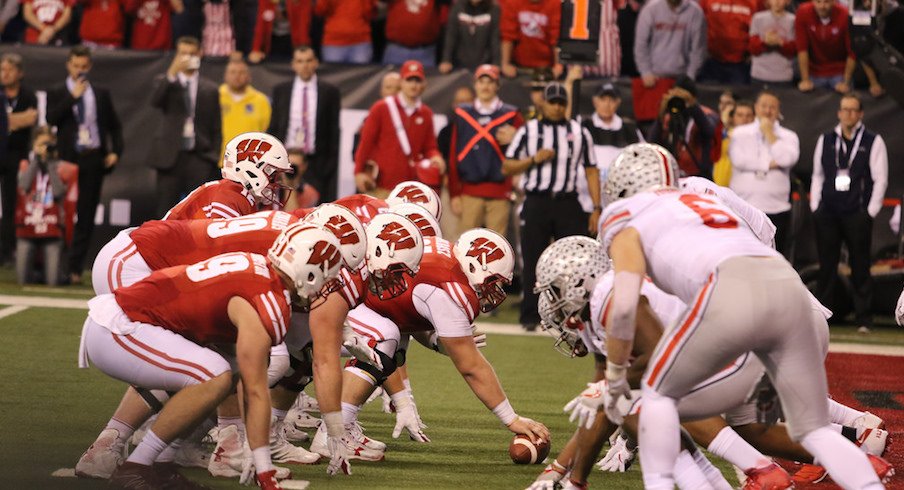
<point>742,297</point>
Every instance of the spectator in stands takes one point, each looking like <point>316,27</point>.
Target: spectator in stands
<point>472,35</point>
<point>772,45</point>
<point>727,37</point>
<point>480,193</point>
<point>187,142</point>
<point>390,85</point>
<point>398,142</point>
<point>189,22</point>
<point>824,46</point>
<point>762,154</point>
<point>850,175</point>
<point>283,23</point>
<point>103,24</point>
<point>530,31</point>
<point>39,211</point>
<point>21,108</point>
<point>301,194</point>
<point>610,54</point>
<point>152,29</point>
<point>739,114</point>
<point>412,30</point>
<point>306,117</point>
<point>218,38</point>
<point>47,21</point>
<point>243,107</point>
<point>89,134</point>
<point>609,131</point>
<point>346,30</point>
<point>670,41</point>
<point>689,129</point>
<point>548,152</point>
<point>536,86</point>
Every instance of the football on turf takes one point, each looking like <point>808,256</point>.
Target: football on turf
<point>525,451</point>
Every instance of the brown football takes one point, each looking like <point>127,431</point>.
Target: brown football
<point>524,451</point>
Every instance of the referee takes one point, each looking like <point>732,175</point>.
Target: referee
<point>549,151</point>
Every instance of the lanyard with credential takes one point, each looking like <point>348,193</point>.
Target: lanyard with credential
<point>853,152</point>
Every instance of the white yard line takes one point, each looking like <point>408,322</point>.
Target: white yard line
<point>43,301</point>
<point>12,310</point>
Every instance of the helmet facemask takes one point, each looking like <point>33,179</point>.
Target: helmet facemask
<point>276,193</point>
<point>562,319</point>
<point>390,282</point>
<point>491,293</point>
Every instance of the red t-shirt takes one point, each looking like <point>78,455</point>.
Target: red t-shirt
<point>534,29</point>
<point>151,27</point>
<point>829,45</point>
<point>728,27</point>
<point>345,22</point>
<point>193,300</point>
<point>48,12</point>
<point>103,22</point>
<point>380,143</point>
<point>413,23</point>
<point>217,199</point>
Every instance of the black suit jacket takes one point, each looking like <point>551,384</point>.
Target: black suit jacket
<point>59,113</point>
<point>323,165</point>
<point>169,98</point>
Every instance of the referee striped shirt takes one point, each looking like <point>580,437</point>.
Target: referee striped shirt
<point>573,146</point>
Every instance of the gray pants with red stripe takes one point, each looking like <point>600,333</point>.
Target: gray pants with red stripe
<point>754,305</point>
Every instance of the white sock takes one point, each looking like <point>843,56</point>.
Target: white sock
<point>146,452</point>
<point>713,475</point>
<point>223,422</point>
<point>846,464</point>
<point>407,383</point>
<point>125,430</point>
<point>658,440</point>
<point>688,475</point>
<point>729,446</point>
<point>168,455</point>
<point>842,414</point>
<point>349,413</point>
<point>279,414</point>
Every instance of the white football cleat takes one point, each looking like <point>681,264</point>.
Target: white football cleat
<point>355,450</point>
<point>357,432</point>
<point>868,421</point>
<point>872,441</point>
<point>282,451</point>
<point>306,403</point>
<point>301,419</point>
<point>212,436</point>
<point>103,457</point>
<point>192,455</point>
<point>229,456</point>
<point>292,433</point>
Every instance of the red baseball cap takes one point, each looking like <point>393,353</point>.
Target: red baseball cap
<point>487,71</point>
<point>412,69</point>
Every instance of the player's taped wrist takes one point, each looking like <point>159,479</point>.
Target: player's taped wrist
<point>261,457</point>
<point>616,371</point>
<point>401,399</point>
<point>505,412</point>
<point>334,425</point>
<point>625,296</point>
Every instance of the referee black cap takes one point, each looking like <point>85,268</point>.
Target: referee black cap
<point>555,91</point>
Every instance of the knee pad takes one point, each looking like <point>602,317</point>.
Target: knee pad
<point>374,373</point>
<point>299,374</point>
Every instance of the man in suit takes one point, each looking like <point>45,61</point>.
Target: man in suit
<point>187,143</point>
<point>306,118</point>
<point>88,134</point>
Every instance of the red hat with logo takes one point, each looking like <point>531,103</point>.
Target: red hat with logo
<point>412,69</point>
<point>487,71</point>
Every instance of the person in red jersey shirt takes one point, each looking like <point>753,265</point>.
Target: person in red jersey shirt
<point>162,332</point>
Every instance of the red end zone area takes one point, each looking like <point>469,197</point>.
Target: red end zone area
<point>873,383</point>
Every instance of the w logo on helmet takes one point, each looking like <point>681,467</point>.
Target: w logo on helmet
<point>343,230</point>
<point>324,254</point>
<point>422,224</point>
<point>483,246</point>
<point>397,235</point>
<point>413,194</point>
<point>251,150</point>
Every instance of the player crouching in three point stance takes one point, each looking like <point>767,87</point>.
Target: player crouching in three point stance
<point>188,329</point>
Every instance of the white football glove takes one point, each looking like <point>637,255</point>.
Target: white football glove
<point>335,432</point>
<point>543,485</point>
<point>377,393</point>
<point>360,347</point>
<point>549,478</point>
<point>899,310</point>
<point>584,407</point>
<point>248,471</point>
<point>619,457</point>
<point>407,417</point>
<point>480,338</point>
<point>616,388</point>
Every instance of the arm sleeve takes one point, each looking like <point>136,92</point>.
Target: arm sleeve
<point>117,144</point>
<point>878,167</point>
<point>508,24</point>
<point>27,175</point>
<point>452,161</point>
<point>451,40</point>
<point>698,46</point>
<point>589,154</point>
<point>517,148</point>
<point>57,185</point>
<point>642,35</point>
<point>59,106</point>
<point>161,87</point>
<point>448,318</point>
<point>8,11</point>
<point>369,134</point>
<point>744,155</point>
<point>756,45</point>
<point>786,149</point>
<point>495,37</point>
<point>800,35</point>
<point>818,177</point>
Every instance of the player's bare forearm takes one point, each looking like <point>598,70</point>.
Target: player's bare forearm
<point>589,443</point>
<point>394,383</point>
<point>326,334</point>
<point>475,369</point>
<point>252,350</point>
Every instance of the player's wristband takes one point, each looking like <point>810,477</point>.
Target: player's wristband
<point>616,371</point>
<point>505,412</point>
<point>334,425</point>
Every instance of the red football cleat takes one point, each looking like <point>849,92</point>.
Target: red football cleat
<point>884,469</point>
<point>267,480</point>
<point>772,477</point>
<point>810,473</point>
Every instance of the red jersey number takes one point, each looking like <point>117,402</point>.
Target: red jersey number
<point>709,211</point>
<point>217,266</point>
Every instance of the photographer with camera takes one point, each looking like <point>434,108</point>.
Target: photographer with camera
<point>687,129</point>
<point>39,209</point>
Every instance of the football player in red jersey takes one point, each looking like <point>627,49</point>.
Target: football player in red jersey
<point>252,165</point>
<point>175,330</point>
<point>452,286</point>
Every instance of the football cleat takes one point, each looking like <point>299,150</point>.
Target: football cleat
<point>293,433</point>
<point>302,419</point>
<point>212,436</point>
<point>306,403</point>
<point>139,433</point>
<point>868,421</point>
<point>192,455</point>
<point>103,457</point>
<point>229,456</point>
<point>267,480</point>
<point>884,469</point>
<point>357,432</point>
<point>354,449</point>
<point>809,473</point>
<point>282,451</point>
<point>872,441</point>
<point>772,477</point>
<point>134,476</point>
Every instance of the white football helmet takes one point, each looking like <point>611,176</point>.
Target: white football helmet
<point>310,256</point>
<point>488,260</point>
<point>640,167</point>
<point>421,218</point>
<point>256,161</point>
<point>567,273</point>
<point>347,228</point>
<point>417,193</point>
<point>394,248</point>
